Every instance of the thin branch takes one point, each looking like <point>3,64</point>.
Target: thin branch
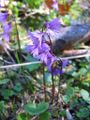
<point>19,65</point>
<point>75,57</point>
<point>7,52</point>
<point>39,62</point>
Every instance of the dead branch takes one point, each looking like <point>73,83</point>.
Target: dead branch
<point>70,36</point>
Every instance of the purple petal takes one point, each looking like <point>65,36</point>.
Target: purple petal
<point>7,27</point>
<point>35,37</point>
<point>6,37</point>
<point>65,63</point>
<point>0,42</point>
<point>43,57</point>
<point>45,47</point>
<point>30,48</point>
<point>3,17</point>
<point>53,25</point>
<point>35,52</point>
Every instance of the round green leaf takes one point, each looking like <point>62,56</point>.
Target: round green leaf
<point>5,81</point>
<point>36,109</point>
<point>22,116</point>
<point>85,95</point>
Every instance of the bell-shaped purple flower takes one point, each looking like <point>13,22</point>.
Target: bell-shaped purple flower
<point>3,17</point>
<point>57,66</point>
<point>53,25</point>
<point>6,27</point>
<point>42,51</point>
<point>38,44</point>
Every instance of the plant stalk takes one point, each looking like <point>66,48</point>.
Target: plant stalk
<point>53,86</point>
<point>44,83</point>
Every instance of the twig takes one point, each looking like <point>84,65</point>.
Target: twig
<point>75,57</point>
<point>34,118</point>
<point>7,52</point>
<point>19,65</point>
<point>39,62</point>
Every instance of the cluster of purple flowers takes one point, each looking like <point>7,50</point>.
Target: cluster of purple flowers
<point>5,28</point>
<point>41,50</point>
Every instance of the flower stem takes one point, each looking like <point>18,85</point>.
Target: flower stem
<point>44,83</point>
<point>53,86</point>
<point>18,40</point>
<point>60,76</point>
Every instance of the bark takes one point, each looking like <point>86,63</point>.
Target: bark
<point>70,36</point>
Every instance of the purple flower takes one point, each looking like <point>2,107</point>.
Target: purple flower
<point>7,29</point>
<point>38,44</point>
<point>57,67</point>
<point>5,26</point>
<point>43,57</point>
<point>53,27</point>
<point>55,5</point>
<point>3,17</point>
<point>41,50</point>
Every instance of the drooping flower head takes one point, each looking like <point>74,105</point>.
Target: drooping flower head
<point>38,48</point>
<point>41,50</point>
<point>5,28</point>
<point>53,26</point>
<point>3,17</point>
<point>6,31</point>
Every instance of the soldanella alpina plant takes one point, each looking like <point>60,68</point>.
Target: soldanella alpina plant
<point>40,48</point>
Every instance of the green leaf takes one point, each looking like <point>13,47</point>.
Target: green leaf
<point>66,98</point>
<point>33,3</point>
<point>48,78</point>
<point>22,116</point>
<point>32,67</point>
<point>6,93</point>
<point>85,95</point>
<point>75,74</point>
<point>70,91</point>
<point>62,113</point>
<point>83,71</point>
<point>75,10</point>
<point>66,19</point>
<point>2,106</point>
<point>5,81</point>
<point>30,87</point>
<point>69,94</point>
<point>83,113</point>
<point>45,116</point>
<point>18,87</point>
<point>74,103</point>
<point>36,109</point>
